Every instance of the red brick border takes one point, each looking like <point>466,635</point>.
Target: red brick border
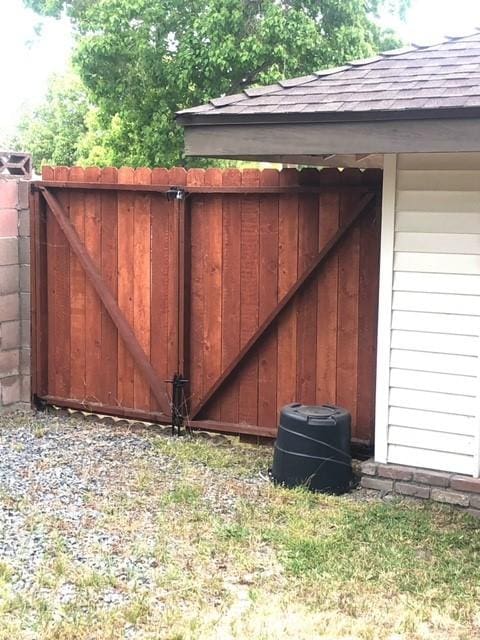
<point>440,486</point>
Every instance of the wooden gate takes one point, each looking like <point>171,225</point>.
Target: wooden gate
<point>260,287</point>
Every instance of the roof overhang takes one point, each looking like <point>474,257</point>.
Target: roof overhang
<point>283,141</point>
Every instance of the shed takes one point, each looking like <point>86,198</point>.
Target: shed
<point>416,113</point>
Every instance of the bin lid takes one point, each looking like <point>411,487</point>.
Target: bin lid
<point>317,411</point>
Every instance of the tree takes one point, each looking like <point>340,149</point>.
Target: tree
<point>50,131</point>
<point>66,128</point>
<point>142,60</point>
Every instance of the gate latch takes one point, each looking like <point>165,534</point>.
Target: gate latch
<point>178,383</point>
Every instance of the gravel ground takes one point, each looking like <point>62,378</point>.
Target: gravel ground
<point>54,471</point>
<point>114,532</point>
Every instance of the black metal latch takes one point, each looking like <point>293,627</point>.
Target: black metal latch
<point>178,403</point>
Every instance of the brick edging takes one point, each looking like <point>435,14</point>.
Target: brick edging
<point>447,488</point>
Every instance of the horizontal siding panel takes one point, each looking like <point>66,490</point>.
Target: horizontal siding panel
<point>434,362</point>
<point>423,439</point>
<point>436,322</point>
<point>440,460</point>
<point>436,303</point>
<point>439,382</point>
<point>438,180</point>
<point>430,401</point>
<point>435,342</point>
<point>438,242</point>
<point>434,222</point>
<point>433,421</point>
<point>436,263</point>
<point>437,283</point>
<point>448,200</point>
<point>449,161</point>
<point>435,337</point>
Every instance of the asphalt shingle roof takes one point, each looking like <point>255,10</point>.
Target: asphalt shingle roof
<point>441,76</point>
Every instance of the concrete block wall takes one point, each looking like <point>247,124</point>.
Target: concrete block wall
<point>14,294</point>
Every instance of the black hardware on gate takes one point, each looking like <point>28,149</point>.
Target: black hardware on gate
<point>178,403</point>
<point>175,193</point>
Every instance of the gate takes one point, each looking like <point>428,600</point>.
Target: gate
<point>259,287</point>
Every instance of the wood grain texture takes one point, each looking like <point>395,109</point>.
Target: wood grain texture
<point>78,330</point>
<point>93,305</point>
<point>249,298</point>
<point>348,303</point>
<point>159,308</point>
<point>308,247</point>
<point>232,224</point>
<point>141,282</point>
<point>241,291</point>
<point>287,275</point>
<point>95,279</point>
<point>60,277</point>
<point>125,237</point>
<point>109,263</point>
<point>327,292</point>
<point>197,302</point>
<point>40,287</point>
<point>369,268</point>
<point>268,298</point>
<point>213,283</point>
<point>176,322</point>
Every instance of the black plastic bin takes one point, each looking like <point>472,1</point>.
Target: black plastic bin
<point>313,448</point>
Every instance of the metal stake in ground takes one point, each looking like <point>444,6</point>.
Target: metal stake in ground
<point>178,402</point>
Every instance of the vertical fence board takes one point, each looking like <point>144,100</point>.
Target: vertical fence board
<point>197,347</point>
<point>176,323</point>
<point>348,295</point>
<point>212,309</point>
<point>77,294</point>
<point>232,221</point>
<point>307,299</point>
<point>39,288</point>
<point>125,235</point>
<point>109,345</point>
<point>287,275</point>
<point>93,307</point>
<point>61,282</point>
<point>48,173</point>
<point>327,291</point>
<point>183,276</point>
<point>249,270</point>
<point>369,262</point>
<point>268,298</point>
<point>161,208</point>
<point>141,282</point>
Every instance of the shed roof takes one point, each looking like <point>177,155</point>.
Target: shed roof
<point>419,80</point>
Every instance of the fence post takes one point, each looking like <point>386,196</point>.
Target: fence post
<point>15,349</point>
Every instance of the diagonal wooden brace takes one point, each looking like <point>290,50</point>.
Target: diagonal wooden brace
<point>363,205</point>
<point>95,278</point>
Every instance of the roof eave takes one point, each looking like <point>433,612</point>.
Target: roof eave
<point>215,119</point>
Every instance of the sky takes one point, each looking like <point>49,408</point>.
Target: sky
<point>28,59</point>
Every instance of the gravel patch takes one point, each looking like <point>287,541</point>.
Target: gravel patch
<point>55,471</point>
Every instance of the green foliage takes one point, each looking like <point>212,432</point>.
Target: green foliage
<point>51,131</point>
<point>142,60</point>
<point>66,128</point>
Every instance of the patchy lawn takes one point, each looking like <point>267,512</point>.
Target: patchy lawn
<point>109,533</point>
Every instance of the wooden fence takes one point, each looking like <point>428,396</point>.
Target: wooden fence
<point>260,287</point>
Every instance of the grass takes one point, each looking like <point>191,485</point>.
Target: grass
<point>229,558</point>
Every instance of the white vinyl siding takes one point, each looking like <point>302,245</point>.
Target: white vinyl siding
<point>431,387</point>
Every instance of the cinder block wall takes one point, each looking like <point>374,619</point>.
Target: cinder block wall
<point>14,294</point>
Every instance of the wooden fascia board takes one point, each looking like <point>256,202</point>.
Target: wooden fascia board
<point>402,136</point>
